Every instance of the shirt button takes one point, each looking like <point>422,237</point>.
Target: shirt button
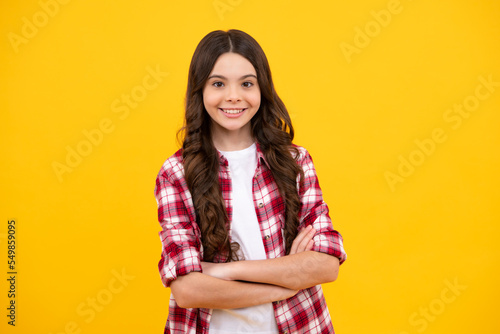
<point>261,205</point>
<point>267,237</point>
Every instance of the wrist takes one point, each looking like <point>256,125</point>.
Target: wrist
<point>231,270</point>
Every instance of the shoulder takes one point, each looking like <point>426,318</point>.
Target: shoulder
<point>173,168</point>
<point>301,155</point>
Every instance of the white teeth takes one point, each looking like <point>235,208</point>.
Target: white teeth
<point>233,111</point>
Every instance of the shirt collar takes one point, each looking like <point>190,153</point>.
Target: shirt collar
<point>260,156</point>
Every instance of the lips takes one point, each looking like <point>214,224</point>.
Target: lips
<point>232,111</point>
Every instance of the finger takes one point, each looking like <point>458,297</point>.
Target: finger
<point>305,242</point>
<point>302,240</point>
<point>298,239</point>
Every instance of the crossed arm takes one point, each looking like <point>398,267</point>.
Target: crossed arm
<point>248,283</point>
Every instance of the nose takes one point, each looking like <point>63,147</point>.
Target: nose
<point>233,94</point>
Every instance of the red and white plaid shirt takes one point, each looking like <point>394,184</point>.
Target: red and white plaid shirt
<point>306,312</point>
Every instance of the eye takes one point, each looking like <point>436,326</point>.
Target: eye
<point>218,84</point>
<point>247,84</point>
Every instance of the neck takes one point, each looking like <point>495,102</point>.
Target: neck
<point>232,140</point>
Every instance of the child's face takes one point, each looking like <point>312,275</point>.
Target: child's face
<point>232,96</point>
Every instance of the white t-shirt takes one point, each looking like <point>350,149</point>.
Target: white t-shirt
<point>245,230</point>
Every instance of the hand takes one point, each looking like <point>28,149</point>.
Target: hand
<point>303,241</point>
<point>218,270</point>
<point>287,293</point>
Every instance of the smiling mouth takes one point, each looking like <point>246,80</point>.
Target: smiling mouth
<point>233,111</point>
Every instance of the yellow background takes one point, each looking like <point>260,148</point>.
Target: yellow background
<point>358,114</point>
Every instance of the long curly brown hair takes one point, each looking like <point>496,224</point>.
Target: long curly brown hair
<point>271,128</point>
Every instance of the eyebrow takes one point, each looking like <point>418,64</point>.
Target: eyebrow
<point>223,77</point>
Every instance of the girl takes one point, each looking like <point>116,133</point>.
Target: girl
<point>247,239</point>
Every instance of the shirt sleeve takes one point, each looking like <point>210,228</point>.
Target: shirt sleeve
<point>314,211</point>
<point>180,235</point>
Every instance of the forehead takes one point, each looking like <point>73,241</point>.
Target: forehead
<point>232,64</point>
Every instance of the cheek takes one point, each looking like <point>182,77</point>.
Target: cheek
<point>254,98</point>
<point>210,100</point>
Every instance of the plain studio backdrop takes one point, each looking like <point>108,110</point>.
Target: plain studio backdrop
<point>397,101</point>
